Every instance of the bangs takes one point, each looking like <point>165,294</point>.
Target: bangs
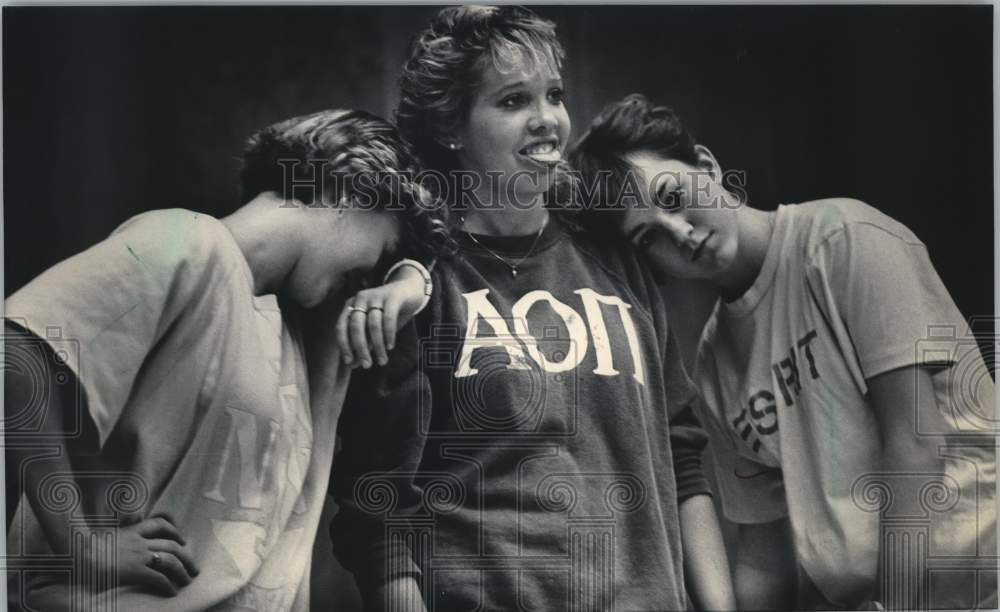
<point>526,51</point>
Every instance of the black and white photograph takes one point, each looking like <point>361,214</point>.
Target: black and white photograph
<point>547,307</point>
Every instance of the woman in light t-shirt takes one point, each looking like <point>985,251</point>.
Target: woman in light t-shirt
<point>845,394</point>
<point>178,385</point>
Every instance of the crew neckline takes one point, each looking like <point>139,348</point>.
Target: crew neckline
<point>512,246</point>
<point>765,278</point>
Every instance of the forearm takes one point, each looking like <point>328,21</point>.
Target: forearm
<point>765,575</point>
<point>33,461</point>
<point>909,467</point>
<point>706,566</point>
<point>400,594</point>
<point>910,461</point>
<point>381,450</point>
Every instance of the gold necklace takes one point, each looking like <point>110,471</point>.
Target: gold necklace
<point>513,266</point>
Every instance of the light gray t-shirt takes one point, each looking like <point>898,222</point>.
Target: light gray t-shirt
<point>845,293</point>
<point>199,389</point>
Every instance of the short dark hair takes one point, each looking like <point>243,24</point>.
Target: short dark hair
<point>337,154</point>
<point>630,125</point>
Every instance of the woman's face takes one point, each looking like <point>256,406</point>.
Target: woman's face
<point>516,130</point>
<point>686,224</point>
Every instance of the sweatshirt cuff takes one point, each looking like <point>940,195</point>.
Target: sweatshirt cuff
<point>690,475</point>
<point>380,565</point>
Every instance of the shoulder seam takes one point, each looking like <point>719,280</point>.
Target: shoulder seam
<point>844,224</point>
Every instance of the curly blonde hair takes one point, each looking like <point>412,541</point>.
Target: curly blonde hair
<point>445,68</point>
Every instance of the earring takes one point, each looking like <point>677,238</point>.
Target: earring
<point>454,146</point>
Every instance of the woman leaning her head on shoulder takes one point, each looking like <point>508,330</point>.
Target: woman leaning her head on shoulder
<point>566,378</point>
<point>817,388</point>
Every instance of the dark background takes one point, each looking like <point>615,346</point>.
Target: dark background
<point>110,111</point>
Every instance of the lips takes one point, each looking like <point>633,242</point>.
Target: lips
<point>543,152</point>
<point>701,246</point>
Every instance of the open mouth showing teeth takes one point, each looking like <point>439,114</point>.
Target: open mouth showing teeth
<point>543,152</point>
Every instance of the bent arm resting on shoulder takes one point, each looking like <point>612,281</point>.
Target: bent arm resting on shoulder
<point>706,565</point>
<point>370,320</point>
<point>766,573</point>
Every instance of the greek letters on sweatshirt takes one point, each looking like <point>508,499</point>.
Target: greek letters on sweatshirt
<point>528,443</point>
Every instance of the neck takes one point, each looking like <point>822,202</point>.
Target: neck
<point>264,230</point>
<point>506,221</point>
<point>755,230</point>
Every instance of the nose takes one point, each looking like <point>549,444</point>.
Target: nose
<point>543,120</point>
<point>680,231</point>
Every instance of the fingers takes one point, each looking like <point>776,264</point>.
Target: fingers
<point>366,328</point>
<point>182,553</point>
<point>375,334</point>
<point>157,581</point>
<point>342,340</point>
<point>390,316</point>
<point>154,553</point>
<point>356,331</point>
<point>171,567</point>
<point>159,526</point>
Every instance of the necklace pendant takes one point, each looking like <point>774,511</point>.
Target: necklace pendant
<point>513,272</point>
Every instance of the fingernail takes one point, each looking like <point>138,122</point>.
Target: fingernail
<point>368,364</point>
<point>382,361</point>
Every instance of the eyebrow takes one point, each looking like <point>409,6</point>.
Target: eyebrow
<point>519,84</point>
<point>514,85</point>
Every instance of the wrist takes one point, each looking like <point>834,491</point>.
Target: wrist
<point>409,269</point>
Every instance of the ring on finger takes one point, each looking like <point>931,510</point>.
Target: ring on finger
<point>156,560</point>
<point>355,309</point>
<point>378,308</point>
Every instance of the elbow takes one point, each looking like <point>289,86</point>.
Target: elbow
<point>913,453</point>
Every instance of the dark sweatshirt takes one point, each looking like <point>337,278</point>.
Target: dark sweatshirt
<point>529,442</point>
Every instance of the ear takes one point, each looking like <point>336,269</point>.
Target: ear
<point>449,141</point>
<point>451,145</point>
<point>708,163</point>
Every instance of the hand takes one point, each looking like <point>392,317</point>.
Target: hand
<point>371,318</point>
<point>152,553</point>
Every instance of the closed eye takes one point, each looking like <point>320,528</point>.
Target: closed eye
<point>669,199</point>
<point>643,237</point>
